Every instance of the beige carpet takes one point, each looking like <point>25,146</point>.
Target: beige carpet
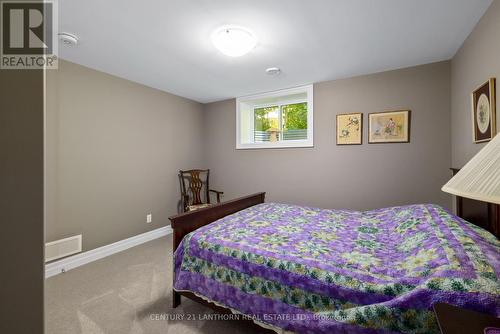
<point>123,294</point>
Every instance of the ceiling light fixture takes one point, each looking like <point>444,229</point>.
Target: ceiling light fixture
<point>234,41</point>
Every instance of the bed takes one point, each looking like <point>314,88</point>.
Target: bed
<point>310,270</point>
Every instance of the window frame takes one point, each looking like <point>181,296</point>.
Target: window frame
<point>309,142</point>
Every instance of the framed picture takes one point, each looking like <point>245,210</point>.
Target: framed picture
<point>483,112</point>
<point>389,127</point>
<point>350,129</point>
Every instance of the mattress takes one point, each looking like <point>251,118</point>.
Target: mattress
<point>311,270</point>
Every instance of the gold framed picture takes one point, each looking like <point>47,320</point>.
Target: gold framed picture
<point>483,112</point>
<point>350,129</point>
<point>389,127</point>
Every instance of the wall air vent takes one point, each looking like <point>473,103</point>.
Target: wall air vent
<point>60,248</point>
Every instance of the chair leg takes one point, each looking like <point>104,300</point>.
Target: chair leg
<point>176,299</point>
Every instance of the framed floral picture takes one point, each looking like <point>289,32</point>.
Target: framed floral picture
<point>350,129</point>
<point>483,112</point>
<point>389,127</point>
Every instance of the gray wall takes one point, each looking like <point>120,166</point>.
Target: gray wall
<point>477,60</point>
<point>356,177</point>
<point>114,148</point>
<point>21,201</point>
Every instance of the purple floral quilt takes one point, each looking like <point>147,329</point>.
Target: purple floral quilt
<point>311,270</point>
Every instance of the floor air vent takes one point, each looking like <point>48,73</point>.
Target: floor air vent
<point>63,247</point>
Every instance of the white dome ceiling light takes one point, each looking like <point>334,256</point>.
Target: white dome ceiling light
<point>234,41</point>
<point>68,39</point>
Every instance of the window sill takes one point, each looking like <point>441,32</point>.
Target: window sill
<point>289,144</point>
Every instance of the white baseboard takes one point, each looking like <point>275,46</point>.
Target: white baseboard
<point>77,260</point>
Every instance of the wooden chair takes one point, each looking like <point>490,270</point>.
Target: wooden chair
<point>195,189</point>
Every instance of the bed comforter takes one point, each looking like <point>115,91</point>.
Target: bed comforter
<point>311,270</point>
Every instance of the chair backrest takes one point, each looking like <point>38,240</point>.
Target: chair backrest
<point>195,185</point>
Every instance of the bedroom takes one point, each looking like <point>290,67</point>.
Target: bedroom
<point>329,129</point>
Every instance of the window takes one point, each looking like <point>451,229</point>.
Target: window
<point>277,119</point>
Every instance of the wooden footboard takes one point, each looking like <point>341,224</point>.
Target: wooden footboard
<point>185,223</point>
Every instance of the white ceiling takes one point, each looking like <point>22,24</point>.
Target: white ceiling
<point>166,44</point>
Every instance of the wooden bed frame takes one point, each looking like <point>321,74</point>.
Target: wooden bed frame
<point>185,223</point>
<point>489,218</point>
<point>482,214</point>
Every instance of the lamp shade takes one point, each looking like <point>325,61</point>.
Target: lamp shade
<point>479,179</point>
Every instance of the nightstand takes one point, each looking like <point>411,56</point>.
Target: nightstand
<point>454,320</point>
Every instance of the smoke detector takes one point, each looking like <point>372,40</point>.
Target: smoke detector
<point>68,39</point>
<point>273,71</point>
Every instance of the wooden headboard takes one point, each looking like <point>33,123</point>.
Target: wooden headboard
<point>485,215</point>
